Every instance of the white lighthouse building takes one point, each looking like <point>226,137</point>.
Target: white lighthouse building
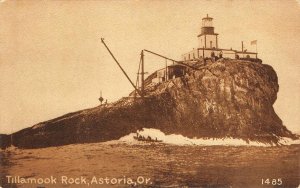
<point>208,45</point>
<point>208,38</point>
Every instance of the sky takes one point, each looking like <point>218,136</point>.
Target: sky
<point>52,60</point>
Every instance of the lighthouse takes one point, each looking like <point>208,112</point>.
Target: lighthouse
<point>208,46</point>
<point>208,38</point>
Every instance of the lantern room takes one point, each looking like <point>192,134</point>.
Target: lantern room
<point>207,25</point>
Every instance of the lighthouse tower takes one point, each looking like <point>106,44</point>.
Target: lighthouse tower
<point>208,38</point>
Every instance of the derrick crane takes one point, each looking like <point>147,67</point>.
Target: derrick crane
<point>141,91</point>
<point>137,90</point>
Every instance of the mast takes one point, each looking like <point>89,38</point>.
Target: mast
<point>137,83</point>
<point>142,75</point>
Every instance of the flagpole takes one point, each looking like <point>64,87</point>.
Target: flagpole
<point>252,43</point>
<point>256,49</point>
<point>256,46</point>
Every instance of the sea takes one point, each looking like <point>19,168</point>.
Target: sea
<point>169,161</point>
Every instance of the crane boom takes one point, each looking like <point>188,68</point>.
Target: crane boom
<point>178,62</point>
<point>160,55</point>
<point>138,91</point>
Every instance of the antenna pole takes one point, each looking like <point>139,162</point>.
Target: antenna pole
<point>139,92</point>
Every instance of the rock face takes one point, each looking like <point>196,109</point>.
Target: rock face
<point>226,98</point>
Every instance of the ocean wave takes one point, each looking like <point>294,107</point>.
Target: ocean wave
<point>176,139</point>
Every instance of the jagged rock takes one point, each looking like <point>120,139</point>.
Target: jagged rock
<point>226,98</point>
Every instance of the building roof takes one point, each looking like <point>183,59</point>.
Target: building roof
<point>222,49</point>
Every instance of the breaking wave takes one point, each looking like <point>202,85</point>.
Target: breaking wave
<point>181,140</point>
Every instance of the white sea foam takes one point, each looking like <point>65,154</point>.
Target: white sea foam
<point>288,141</point>
<point>181,140</point>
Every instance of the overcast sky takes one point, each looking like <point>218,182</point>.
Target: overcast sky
<point>52,61</point>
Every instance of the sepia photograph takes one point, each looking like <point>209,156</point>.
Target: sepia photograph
<point>150,93</point>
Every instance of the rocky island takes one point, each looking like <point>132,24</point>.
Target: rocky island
<point>225,98</point>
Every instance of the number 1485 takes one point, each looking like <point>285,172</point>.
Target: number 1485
<point>269,181</point>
